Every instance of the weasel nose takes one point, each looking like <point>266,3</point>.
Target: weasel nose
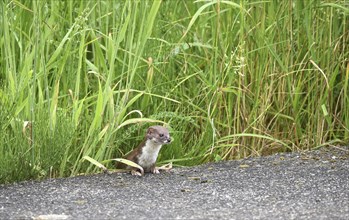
<point>169,140</point>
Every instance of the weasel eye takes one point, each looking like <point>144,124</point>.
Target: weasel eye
<point>161,135</point>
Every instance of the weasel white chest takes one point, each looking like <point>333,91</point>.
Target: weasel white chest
<point>149,154</point>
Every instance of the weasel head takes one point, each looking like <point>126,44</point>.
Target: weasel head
<point>158,134</point>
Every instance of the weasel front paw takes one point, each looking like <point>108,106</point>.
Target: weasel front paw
<point>155,171</point>
<point>135,173</point>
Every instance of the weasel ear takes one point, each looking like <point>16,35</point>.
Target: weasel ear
<point>150,131</point>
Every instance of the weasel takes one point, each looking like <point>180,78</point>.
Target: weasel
<point>147,152</point>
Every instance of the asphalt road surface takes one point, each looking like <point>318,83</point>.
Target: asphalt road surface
<point>312,185</point>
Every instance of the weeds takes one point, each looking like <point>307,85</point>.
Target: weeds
<point>231,78</point>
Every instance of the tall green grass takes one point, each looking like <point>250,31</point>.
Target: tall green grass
<point>232,79</point>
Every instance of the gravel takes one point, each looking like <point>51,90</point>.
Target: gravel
<point>311,185</point>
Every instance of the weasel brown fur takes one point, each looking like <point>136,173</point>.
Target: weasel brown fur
<point>147,152</point>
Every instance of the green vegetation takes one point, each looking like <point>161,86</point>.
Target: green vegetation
<point>232,79</point>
